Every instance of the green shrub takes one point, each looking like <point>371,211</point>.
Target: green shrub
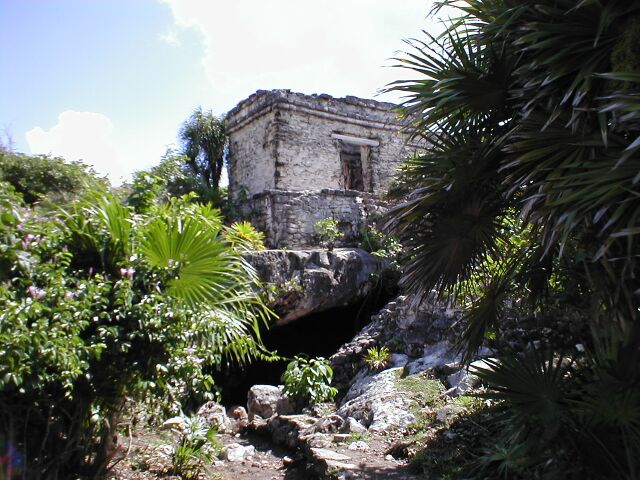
<point>43,178</point>
<point>328,232</point>
<point>379,243</point>
<point>244,236</point>
<point>195,448</point>
<point>98,305</point>
<point>377,358</point>
<point>309,380</point>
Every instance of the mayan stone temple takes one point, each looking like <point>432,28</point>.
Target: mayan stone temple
<point>295,159</point>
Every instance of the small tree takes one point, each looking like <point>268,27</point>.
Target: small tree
<point>204,142</point>
<point>328,232</point>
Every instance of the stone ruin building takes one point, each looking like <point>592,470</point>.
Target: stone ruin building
<point>295,159</point>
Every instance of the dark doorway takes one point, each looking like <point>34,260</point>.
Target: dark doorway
<point>351,158</point>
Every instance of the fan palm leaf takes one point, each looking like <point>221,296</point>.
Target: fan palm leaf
<point>101,229</point>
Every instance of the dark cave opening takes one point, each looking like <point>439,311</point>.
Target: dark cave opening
<point>318,334</point>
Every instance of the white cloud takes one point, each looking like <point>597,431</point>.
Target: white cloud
<point>85,136</point>
<point>170,37</point>
<point>338,47</point>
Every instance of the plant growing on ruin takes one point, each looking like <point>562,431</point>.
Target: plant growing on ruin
<point>244,236</point>
<point>378,358</point>
<point>309,380</point>
<point>328,232</point>
<point>379,243</point>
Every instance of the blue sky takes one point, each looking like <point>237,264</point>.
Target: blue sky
<point>110,81</point>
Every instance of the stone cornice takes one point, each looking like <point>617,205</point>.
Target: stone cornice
<point>351,110</point>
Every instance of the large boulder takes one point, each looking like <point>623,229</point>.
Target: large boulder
<point>311,281</point>
<point>266,401</point>
<point>375,402</point>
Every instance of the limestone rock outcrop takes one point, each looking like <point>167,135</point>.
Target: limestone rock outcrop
<point>312,281</point>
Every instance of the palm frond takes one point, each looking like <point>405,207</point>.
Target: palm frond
<point>534,385</point>
<point>459,78</point>
<point>100,227</point>
<point>452,222</point>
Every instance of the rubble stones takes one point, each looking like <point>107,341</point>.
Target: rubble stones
<point>267,400</point>
<point>405,328</point>
<point>215,415</point>
<point>234,452</point>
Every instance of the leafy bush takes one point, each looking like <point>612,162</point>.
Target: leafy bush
<point>244,236</point>
<point>328,232</point>
<point>379,243</point>
<point>377,358</point>
<point>309,380</point>
<point>43,178</point>
<point>195,449</point>
<point>99,304</point>
<point>171,178</point>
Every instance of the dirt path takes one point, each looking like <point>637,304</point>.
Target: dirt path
<point>270,462</point>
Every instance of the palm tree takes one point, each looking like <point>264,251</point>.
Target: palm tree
<point>532,113</point>
<point>204,140</point>
<point>527,195</point>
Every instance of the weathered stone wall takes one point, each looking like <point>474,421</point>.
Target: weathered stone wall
<point>252,156</point>
<point>289,156</point>
<point>287,218</point>
<point>283,140</point>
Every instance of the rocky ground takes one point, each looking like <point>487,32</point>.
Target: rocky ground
<point>385,422</point>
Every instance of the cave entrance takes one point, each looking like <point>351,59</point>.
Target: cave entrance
<point>318,334</point>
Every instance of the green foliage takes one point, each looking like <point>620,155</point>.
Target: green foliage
<point>47,179</point>
<point>173,177</point>
<point>195,448</point>
<point>379,243</point>
<point>554,410</point>
<point>525,204</point>
<point>328,232</point>
<point>309,380</point>
<point>145,192</point>
<point>525,120</point>
<point>113,305</point>
<point>244,236</point>
<point>377,358</point>
<point>204,144</point>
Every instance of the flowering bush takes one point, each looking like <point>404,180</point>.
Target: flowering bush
<point>98,304</point>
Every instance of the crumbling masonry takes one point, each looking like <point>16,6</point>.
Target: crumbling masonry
<point>295,159</point>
